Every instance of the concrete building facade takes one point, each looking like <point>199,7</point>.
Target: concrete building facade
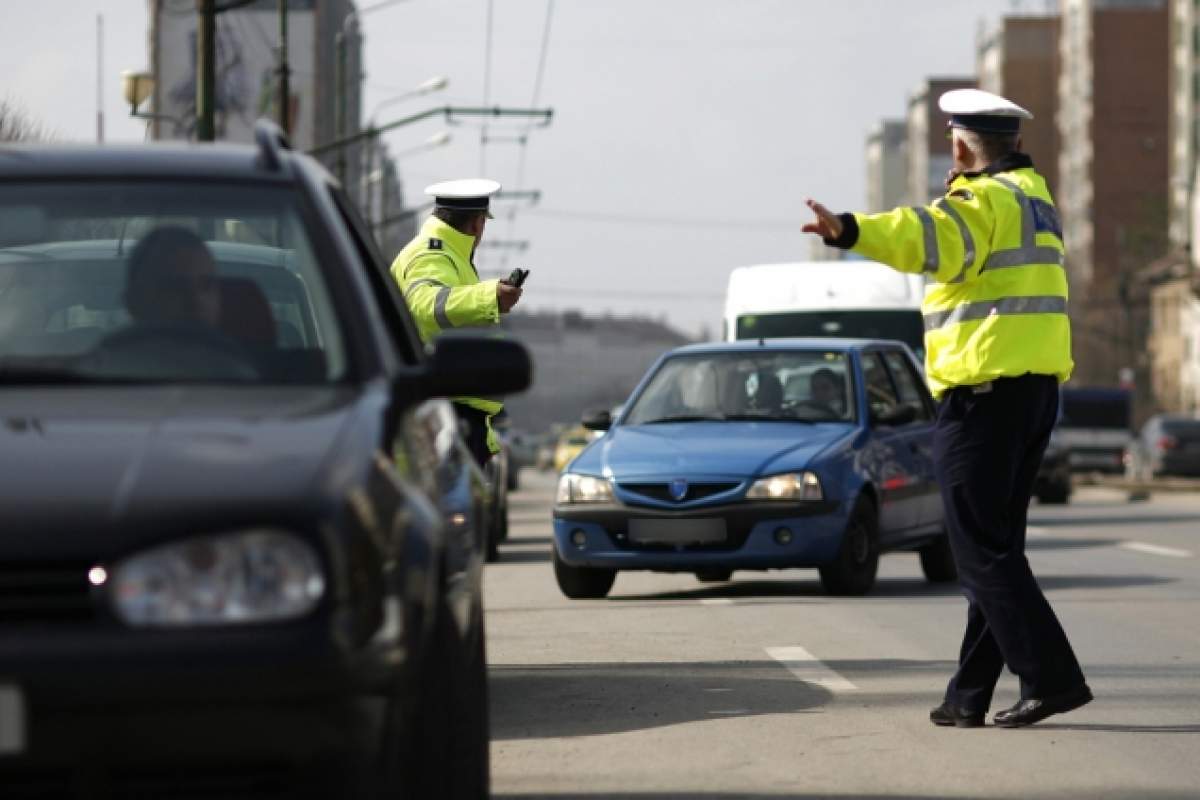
<point>887,165</point>
<point>928,152</point>
<point>1113,178</point>
<point>1018,59</point>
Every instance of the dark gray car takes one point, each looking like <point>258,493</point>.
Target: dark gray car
<point>1166,445</point>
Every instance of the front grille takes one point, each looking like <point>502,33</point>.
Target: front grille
<point>662,491</point>
<point>45,592</point>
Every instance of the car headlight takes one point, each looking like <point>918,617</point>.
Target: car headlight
<point>253,576</point>
<point>583,489</point>
<point>793,486</point>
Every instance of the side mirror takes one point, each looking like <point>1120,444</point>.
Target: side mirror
<point>897,415</point>
<point>597,420</point>
<point>475,365</point>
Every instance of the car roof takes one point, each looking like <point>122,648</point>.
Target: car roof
<point>811,343</point>
<point>153,160</point>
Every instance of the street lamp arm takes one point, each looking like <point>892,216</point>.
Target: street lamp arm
<point>448,111</point>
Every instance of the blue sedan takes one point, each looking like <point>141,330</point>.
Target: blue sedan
<point>758,455</point>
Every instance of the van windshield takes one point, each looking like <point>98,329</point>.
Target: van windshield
<point>903,325</point>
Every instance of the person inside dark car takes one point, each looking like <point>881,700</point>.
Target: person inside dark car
<point>826,389</point>
<point>172,279</point>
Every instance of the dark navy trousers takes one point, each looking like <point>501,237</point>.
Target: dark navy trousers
<point>987,447</point>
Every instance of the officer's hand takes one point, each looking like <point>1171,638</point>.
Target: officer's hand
<point>507,296</point>
<point>827,225</point>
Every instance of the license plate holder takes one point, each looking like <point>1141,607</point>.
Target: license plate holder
<point>12,720</point>
<point>697,530</point>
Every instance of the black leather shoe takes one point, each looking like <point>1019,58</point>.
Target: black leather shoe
<point>1036,709</point>
<point>946,715</point>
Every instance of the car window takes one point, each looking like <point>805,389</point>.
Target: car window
<point>907,384</point>
<point>163,281</point>
<point>809,386</point>
<point>401,331</point>
<point>881,394</point>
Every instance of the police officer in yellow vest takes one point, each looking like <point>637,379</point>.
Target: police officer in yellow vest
<point>436,274</point>
<point>997,342</point>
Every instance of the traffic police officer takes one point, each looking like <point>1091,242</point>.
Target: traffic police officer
<point>997,341</point>
<point>436,274</point>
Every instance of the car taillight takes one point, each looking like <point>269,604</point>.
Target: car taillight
<point>1167,443</point>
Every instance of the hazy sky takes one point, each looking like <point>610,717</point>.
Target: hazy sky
<point>686,132</point>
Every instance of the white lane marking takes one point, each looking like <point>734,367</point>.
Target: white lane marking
<point>731,712</point>
<point>719,689</point>
<point>715,601</point>
<point>808,668</point>
<point>1156,549</point>
<point>1036,532</point>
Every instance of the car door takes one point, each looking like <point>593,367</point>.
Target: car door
<point>917,435</point>
<point>890,456</point>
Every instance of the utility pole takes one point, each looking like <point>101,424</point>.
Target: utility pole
<point>285,98</point>
<point>206,71</point>
<point>340,107</point>
<point>99,79</point>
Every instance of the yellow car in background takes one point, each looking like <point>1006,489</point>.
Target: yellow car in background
<point>570,444</point>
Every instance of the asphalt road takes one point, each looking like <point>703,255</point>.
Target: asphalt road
<point>766,688</point>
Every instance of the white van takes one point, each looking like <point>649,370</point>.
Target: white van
<point>850,299</point>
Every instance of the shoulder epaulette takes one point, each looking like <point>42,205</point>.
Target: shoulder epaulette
<point>435,244</point>
<point>963,193</point>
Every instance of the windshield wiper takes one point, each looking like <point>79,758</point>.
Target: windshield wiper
<point>767,418</point>
<point>47,375</point>
<point>687,418</point>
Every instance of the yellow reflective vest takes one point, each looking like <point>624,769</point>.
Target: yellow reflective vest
<point>443,292</point>
<point>992,252</point>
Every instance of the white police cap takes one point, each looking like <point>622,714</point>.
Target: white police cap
<point>468,194</point>
<point>977,110</point>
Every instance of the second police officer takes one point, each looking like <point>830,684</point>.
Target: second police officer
<point>437,276</point>
<point>998,343</point>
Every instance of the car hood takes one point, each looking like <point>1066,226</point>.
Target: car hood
<point>78,461</point>
<point>698,449</point>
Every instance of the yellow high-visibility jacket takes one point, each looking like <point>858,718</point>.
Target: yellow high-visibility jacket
<point>443,291</point>
<point>992,252</point>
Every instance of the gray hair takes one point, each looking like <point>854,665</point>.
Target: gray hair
<point>989,147</point>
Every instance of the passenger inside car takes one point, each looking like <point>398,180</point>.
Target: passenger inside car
<point>826,388</point>
<point>172,279</point>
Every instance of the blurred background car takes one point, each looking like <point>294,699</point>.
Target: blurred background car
<point>570,444</point>
<point>1166,445</point>
<point>1053,483</point>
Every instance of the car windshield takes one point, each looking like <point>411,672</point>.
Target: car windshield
<point>901,325</point>
<point>763,385</point>
<point>161,281</point>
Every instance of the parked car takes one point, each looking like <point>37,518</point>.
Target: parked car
<point>1167,444</point>
<point>758,455</point>
<point>240,542</point>
<point>1095,426</point>
<point>1053,483</point>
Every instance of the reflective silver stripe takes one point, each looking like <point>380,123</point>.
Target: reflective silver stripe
<point>439,308</point>
<point>931,246</point>
<point>968,312</point>
<point>965,233</point>
<point>1028,253</point>
<point>1028,225</point>
<point>1024,257</point>
<point>419,282</point>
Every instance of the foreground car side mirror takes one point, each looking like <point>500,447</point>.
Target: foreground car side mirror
<point>475,365</point>
<point>597,420</point>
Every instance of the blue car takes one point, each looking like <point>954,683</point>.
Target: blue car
<point>758,455</point>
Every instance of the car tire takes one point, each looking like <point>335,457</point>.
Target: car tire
<point>937,560</point>
<point>444,739</point>
<point>713,575</point>
<point>582,583</point>
<point>852,572</point>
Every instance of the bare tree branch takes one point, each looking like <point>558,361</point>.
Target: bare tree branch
<point>17,126</point>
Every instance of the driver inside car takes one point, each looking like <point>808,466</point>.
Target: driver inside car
<point>172,279</point>
<point>173,295</point>
<point>825,389</point>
